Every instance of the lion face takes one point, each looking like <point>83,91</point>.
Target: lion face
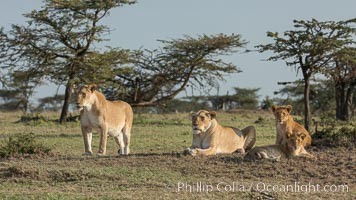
<point>82,99</point>
<point>295,142</point>
<point>281,113</point>
<point>201,121</point>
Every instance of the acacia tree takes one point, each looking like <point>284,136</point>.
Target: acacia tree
<point>17,89</point>
<point>58,40</point>
<point>25,83</point>
<point>309,48</point>
<point>53,103</point>
<point>321,95</point>
<point>343,74</point>
<point>246,97</point>
<point>156,76</point>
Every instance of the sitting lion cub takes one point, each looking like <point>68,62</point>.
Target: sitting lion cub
<point>286,125</point>
<point>210,138</point>
<point>293,148</point>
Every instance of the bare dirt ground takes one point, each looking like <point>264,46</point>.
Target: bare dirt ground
<point>175,176</point>
<point>157,169</point>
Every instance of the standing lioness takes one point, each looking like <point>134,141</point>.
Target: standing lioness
<point>113,118</point>
<point>210,138</point>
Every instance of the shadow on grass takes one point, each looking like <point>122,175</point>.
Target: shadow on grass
<point>96,157</point>
<point>223,158</point>
<point>61,135</point>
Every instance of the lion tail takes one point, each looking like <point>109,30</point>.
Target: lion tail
<point>249,134</point>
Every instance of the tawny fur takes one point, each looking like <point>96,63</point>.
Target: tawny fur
<point>210,138</point>
<point>292,148</point>
<point>112,118</point>
<point>285,125</point>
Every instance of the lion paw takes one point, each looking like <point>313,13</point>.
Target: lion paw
<point>100,154</point>
<point>240,151</point>
<point>87,154</point>
<point>192,152</point>
<point>186,151</point>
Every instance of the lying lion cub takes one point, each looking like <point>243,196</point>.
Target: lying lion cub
<point>112,118</point>
<point>286,125</point>
<point>210,138</point>
<point>293,148</point>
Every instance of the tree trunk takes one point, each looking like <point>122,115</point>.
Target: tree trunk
<point>343,97</point>
<point>307,103</point>
<point>347,111</point>
<point>25,105</point>
<point>67,96</point>
<point>339,99</point>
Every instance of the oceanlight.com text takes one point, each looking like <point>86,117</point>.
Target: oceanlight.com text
<point>205,187</point>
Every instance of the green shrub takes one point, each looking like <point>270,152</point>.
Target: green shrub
<point>334,136</point>
<point>22,144</point>
<point>32,119</point>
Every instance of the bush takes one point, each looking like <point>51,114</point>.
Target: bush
<point>32,119</point>
<point>334,136</point>
<point>22,144</point>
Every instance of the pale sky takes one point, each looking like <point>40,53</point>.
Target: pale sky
<point>142,24</point>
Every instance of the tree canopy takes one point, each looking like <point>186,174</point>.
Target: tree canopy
<point>342,72</point>
<point>310,49</point>
<point>58,43</point>
<point>154,76</point>
<point>57,40</point>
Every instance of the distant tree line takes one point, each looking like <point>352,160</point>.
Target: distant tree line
<point>59,43</point>
<point>322,99</point>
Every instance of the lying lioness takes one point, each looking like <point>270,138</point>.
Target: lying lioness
<point>210,138</point>
<point>113,118</point>
<point>293,148</point>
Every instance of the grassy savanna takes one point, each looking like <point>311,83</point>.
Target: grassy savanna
<point>157,169</point>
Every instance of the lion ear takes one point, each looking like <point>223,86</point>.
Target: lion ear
<point>302,135</point>
<point>212,114</point>
<point>74,88</point>
<point>289,135</point>
<point>274,108</point>
<point>192,114</point>
<point>92,87</point>
<point>289,108</point>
